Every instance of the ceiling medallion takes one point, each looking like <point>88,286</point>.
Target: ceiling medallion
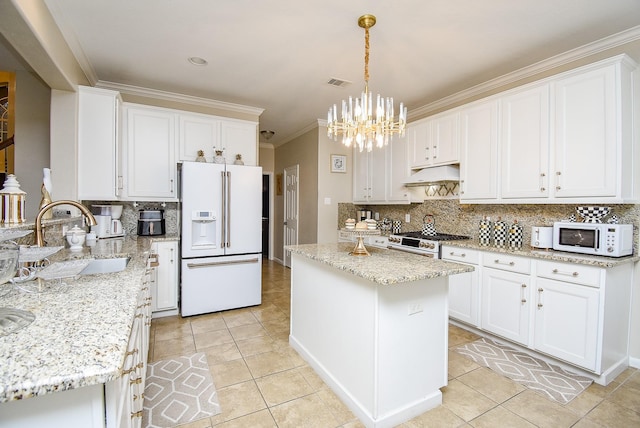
<point>362,122</point>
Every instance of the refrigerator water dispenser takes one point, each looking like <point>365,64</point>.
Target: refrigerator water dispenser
<point>203,230</point>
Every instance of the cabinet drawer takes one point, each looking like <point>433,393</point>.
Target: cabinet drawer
<point>457,254</point>
<point>506,262</point>
<point>568,272</point>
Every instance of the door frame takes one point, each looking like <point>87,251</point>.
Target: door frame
<point>286,259</point>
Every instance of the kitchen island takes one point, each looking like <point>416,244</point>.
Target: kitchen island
<point>373,327</point>
<point>68,363</point>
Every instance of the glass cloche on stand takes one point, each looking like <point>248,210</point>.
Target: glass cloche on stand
<point>360,249</point>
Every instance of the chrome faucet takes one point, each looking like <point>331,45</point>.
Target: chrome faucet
<point>39,238</point>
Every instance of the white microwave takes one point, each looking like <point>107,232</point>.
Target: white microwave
<point>598,239</point>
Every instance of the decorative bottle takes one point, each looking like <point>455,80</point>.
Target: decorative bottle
<point>515,236</point>
<point>499,233</point>
<point>45,191</point>
<point>484,231</point>
<point>201,157</point>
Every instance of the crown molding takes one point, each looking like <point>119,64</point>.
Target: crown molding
<point>615,40</point>
<point>304,130</point>
<point>175,97</point>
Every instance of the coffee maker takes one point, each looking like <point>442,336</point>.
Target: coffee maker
<point>108,221</point>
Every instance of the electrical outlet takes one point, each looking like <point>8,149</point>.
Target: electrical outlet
<point>415,308</point>
<point>407,218</point>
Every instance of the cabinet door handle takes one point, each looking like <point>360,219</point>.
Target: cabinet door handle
<point>559,272</point>
<point>558,174</point>
<point>498,262</point>
<point>540,290</point>
<point>523,298</point>
<point>171,255</point>
<point>171,185</point>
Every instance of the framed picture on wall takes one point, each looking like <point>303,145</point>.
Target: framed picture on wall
<point>338,163</point>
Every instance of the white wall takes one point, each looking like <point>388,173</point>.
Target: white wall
<point>333,187</point>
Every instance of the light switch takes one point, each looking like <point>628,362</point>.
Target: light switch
<point>327,201</point>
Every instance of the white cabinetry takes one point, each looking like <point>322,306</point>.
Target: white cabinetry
<point>124,397</point>
<point>434,141</point>
<point>98,151</point>
<point>370,175</point>
<point>464,288</point>
<point>237,137</point>
<point>505,296</point>
<point>164,288</point>
<point>210,133</point>
<point>151,153</point>
<point>572,312</point>
<point>379,175</point>
<point>479,151</point>
<point>525,143</point>
<point>565,139</point>
<point>588,123</point>
<point>197,132</point>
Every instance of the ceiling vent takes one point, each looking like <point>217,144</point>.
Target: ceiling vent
<point>339,83</point>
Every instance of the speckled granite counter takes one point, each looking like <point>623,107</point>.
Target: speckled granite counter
<point>81,329</point>
<point>382,266</point>
<point>559,256</point>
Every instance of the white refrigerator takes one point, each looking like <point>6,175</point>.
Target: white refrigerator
<point>221,257</point>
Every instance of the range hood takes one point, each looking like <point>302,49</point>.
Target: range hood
<point>434,174</point>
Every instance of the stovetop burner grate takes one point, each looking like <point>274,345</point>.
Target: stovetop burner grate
<point>437,237</point>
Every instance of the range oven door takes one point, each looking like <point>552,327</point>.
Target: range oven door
<point>419,251</point>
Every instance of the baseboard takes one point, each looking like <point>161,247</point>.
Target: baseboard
<point>397,417</point>
<point>634,362</point>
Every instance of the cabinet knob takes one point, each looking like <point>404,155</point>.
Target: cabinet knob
<point>542,189</point>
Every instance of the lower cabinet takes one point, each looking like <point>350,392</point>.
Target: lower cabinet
<point>505,304</point>
<point>464,288</point>
<point>575,313</point>
<point>124,396</point>
<point>566,321</point>
<point>164,284</point>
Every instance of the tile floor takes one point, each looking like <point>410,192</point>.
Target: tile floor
<point>262,382</point>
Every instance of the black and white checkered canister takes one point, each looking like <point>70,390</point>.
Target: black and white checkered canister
<point>485,230</point>
<point>500,233</point>
<point>515,236</point>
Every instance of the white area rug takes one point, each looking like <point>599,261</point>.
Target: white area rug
<point>178,391</point>
<point>551,381</point>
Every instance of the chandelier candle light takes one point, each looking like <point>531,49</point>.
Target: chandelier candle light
<point>361,120</point>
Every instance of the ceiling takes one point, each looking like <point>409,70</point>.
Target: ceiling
<point>278,55</point>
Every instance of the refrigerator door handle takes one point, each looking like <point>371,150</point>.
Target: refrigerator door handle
<point>222,263</point>
<point>228,197</point>
<point>223,238</point>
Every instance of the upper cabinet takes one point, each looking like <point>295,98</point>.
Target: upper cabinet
<point>566,139</point>
<point>378,175</point>
<point>130,151</point>
<point>479,151</point>
<point>150,146</point>
<point>98,150</point>
<point>211,133</point>
<point>434,141</point>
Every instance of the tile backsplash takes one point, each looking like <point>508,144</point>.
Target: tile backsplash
<point>463,219</point>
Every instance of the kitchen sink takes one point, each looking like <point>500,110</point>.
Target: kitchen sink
<point>106,265</point>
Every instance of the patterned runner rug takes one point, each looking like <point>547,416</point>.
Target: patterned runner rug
<point>178,391</point>
<point>551,381</point>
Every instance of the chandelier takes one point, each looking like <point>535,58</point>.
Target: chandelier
<point>362,122</point>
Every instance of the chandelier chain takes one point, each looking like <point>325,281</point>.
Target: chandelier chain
<point>366,57</point>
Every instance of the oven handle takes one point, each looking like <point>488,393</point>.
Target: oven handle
<point>418,252</point>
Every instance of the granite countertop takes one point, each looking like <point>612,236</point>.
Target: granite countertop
<point>558,256</point>
<point>383,266</point>
<point>81,327</point>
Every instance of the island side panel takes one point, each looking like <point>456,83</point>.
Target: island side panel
<point>332,327</point>
<point>412,346</point>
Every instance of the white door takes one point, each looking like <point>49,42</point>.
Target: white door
<point>290,210</point>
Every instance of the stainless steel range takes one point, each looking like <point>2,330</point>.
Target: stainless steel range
<point>416,242</point>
